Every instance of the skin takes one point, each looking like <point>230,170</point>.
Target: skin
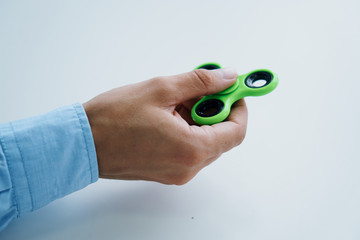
<point>144,131</point>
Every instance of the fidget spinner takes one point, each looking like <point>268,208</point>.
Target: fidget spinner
<point>216,108</point>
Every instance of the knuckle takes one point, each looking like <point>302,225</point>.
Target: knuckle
<point>240,138</point>
<point>162,86</point>
<point>191,157</point>
<point>183,178</point>
<point>160,83</point>
<point>205,78</point>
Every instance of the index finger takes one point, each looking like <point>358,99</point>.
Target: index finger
<point>222,137</point>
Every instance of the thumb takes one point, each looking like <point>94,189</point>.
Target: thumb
<point>201,82</point>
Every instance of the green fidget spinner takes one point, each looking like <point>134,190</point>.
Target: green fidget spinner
<point>216,108</point>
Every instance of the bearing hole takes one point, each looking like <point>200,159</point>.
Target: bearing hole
<point>209,108</point>
<point>259,83</point>
<point>258,79</point>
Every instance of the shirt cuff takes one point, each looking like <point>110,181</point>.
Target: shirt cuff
<point>49,156</point>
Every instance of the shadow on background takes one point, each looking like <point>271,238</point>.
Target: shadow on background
<point>130,207</point>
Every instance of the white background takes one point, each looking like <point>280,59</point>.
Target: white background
<point>296,176</point>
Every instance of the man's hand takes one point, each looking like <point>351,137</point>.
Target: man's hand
<point>144,131</point>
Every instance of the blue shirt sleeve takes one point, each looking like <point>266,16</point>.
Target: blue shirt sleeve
<point>43,158</point>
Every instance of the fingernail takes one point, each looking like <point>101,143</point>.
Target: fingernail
<point>227,73</point>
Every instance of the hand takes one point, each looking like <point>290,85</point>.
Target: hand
<point>144,131</point>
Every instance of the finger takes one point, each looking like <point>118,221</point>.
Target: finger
<point>201,82</point>
<point>238,113</point>
<point>232,132</point>
<point>223,136</point>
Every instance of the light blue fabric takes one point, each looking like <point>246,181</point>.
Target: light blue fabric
<point>43,158</point>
